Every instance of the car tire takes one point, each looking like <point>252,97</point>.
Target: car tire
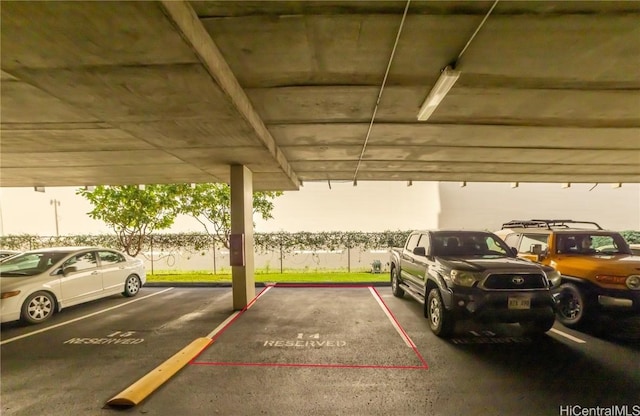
<point>572,308</point>
<point>395,283</point>
<point>538,327</point>
<point>131,286</point>
<point>38,307</point>
<point>441,320</point>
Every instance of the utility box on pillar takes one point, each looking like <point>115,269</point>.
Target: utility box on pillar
<point>236,250</point>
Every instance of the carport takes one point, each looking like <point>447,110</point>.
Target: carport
<point>268,95</point>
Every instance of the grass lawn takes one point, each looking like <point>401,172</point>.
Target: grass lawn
<point>289,277</point>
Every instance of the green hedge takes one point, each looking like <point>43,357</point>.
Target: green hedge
<point>197,242</point>
<point>263,241</point>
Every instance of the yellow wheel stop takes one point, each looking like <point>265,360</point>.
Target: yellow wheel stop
<point>138,391</point>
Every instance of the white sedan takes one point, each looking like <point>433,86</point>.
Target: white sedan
<point>38,283</point>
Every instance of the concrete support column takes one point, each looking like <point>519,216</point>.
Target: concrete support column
<point>241,244</point>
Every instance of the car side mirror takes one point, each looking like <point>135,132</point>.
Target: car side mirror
<point>70,269</point>
<point>420,251</point>
<point>59,271</point>
<point>514,251</point>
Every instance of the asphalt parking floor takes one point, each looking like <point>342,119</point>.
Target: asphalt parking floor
<point>303,350</point>
<point>329,327</point>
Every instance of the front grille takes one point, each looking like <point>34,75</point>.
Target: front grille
<point>514,281</point>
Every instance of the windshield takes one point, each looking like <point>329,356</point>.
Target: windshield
<point>595,243</point>
<point>463,244</point>
<point>30,264</point>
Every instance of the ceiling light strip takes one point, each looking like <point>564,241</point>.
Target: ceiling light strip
<point>384,81</point>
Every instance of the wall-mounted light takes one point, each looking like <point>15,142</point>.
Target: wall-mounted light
<point>447,78</point>
<point>38,188</point>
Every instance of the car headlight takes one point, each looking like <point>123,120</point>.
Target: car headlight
<point>464,278</point>
<point>633,282</point>
<point>554,277</point>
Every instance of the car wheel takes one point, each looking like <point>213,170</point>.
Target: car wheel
<point>131,286</point>
<point>395,283</point>
<point>440,319</point>
<point>538,327</point>
<point>38,307</point>
<point>572,306</point>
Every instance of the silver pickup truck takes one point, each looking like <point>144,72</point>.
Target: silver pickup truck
<point>472,275</point>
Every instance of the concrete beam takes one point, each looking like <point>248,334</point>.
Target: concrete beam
<point>187,22</point>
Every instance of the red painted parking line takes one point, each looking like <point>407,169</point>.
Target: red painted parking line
<point>399,327</point>
<point>215,334</point>
<point>377,367</point>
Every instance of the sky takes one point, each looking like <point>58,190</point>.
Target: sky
<point>368,207</point>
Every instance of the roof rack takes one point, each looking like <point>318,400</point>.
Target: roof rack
<point>547,224</point>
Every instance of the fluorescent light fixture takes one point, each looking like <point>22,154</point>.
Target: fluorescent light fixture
<point>515,184</point>
<point>38,188</point>
<point>566,185</point>
<point>447,78</point>
<point>616,185</point>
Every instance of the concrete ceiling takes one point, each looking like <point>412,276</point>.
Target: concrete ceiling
<point>164,92</point>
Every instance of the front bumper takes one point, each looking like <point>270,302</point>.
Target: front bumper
<point>10,309</point>
<point>493,306</point>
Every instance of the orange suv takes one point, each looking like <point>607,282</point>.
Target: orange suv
<point>599,272</point>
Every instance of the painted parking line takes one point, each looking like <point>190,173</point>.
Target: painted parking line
<point>6,341</point>
<point>213,334</point>
<point>571,337</point>
<point>395,324</point>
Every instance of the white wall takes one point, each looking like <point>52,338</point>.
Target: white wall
<point>488,205</point>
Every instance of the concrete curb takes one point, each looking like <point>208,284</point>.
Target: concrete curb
<point>264,284</point>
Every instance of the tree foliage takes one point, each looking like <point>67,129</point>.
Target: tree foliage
<point>132,212</point>
<point>210,205</point>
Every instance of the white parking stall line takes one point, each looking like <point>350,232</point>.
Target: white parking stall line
<point>571,337</point>
<point>223,325</point>
<point>6,341</point>
<point>404,336</point>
